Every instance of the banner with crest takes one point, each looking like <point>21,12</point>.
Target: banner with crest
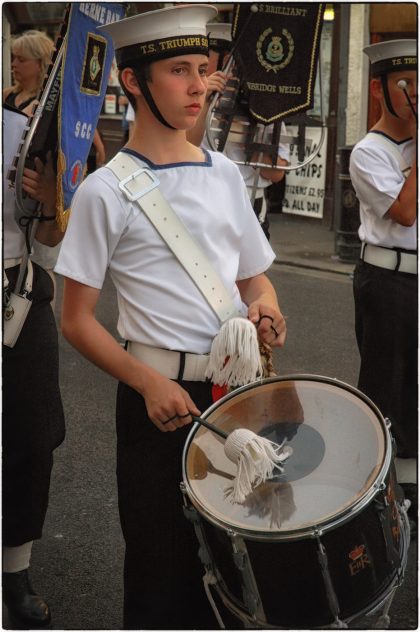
<point>277,47</point>
<point>86,64</point>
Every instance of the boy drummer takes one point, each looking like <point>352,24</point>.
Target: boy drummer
<point>163,58</point>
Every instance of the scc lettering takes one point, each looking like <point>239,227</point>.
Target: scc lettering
<point>84,130</point>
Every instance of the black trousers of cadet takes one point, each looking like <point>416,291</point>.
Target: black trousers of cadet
<point>163,587</point>
<point>386,330</point>
<point>33,418</point>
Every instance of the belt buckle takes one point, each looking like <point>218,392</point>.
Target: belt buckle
<point>133,197</point>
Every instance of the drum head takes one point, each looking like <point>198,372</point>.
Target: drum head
<point>341,449</point>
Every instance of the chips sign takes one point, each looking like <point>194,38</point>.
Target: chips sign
<point>277,50</point>
<point>305,187</point>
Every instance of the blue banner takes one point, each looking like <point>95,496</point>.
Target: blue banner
<point>86,64</point>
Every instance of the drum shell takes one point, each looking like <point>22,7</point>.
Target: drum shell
<point>289,574</point>
<point>360,542</point>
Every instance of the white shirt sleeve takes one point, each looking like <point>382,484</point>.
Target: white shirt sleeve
<point>96,223</point>
<point>376,177</point>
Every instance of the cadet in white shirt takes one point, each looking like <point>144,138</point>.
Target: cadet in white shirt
<point>383,171</point>
<point>168,325</point>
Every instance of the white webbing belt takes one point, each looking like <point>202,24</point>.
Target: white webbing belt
<point>141,186</point>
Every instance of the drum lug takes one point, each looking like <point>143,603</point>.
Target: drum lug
<point>251,595</point>
<point>380,487</point>
<point>193,516</point>
<point>329,586</point>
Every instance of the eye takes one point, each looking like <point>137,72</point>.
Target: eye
<point>203,71</point>
<point>179,70</point>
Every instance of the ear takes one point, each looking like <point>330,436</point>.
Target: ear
<point>376,88</point>
<point>128,78</point>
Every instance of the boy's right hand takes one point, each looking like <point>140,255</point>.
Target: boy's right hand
<point>169,406</point>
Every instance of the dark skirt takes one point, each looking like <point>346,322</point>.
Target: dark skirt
<point>33,418</point>
<point>163,587</point>
<point>386,330</point>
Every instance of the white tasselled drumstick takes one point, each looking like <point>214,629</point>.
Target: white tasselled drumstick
<point>256,458</point>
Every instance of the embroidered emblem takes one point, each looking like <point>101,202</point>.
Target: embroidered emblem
<point>93,64</point>
<point>76,173</point>
<point>278,49</point>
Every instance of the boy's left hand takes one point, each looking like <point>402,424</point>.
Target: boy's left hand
<point>270,324</point>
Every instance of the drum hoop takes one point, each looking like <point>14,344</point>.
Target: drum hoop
<point>315,530</point>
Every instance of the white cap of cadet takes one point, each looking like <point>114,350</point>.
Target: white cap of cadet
<point>169,32</point>
<point>392,55</point>
<point>219,31</point>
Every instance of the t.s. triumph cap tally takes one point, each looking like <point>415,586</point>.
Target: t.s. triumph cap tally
<point>169,32</point>
<point>220,35</point>
<point>392,56</point>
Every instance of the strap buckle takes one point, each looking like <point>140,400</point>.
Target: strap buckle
<point>133,196</point>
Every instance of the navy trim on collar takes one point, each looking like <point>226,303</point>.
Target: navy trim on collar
<point>171,165</point>
<point>397,142</point>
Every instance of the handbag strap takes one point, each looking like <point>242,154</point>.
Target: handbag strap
<point>26,265</point>
<point>141,186</point>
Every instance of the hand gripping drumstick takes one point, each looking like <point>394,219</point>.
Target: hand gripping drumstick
<point>402,84</point>
<point>256,457</point>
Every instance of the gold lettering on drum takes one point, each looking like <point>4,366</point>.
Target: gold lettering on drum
<point>359,559</point>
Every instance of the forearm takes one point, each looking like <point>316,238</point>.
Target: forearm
<point>404,209</point>
<point>94,342</point>
<point>49,233</point>
<point>258,289</point>
<point>263,309</point>
<point>271,173</point>
<point>164,398</point>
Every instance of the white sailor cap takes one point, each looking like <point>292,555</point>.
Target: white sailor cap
<point>169,32</point>
<point>220,35</point>
<point>392,56</point>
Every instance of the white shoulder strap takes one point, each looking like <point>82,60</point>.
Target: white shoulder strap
<point>141,186</point>
<point>380,139</point>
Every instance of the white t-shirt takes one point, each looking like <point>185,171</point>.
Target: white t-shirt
<point>13,238</point>
<point>235,152</point>
<point>377,179</point>
<point>159,304</point>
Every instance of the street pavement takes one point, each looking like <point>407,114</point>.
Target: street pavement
<point>78,563</point>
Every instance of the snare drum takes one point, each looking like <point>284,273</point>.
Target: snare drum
<point>321,543</point>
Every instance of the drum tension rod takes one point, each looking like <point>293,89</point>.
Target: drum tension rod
<point>331,595</point>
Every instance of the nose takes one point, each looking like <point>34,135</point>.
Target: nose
<point>198,84</point>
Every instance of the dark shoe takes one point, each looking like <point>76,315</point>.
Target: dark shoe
<point>27,610</point>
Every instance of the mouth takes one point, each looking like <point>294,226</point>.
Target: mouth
<point>194,108</point>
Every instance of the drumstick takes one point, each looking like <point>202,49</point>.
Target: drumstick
<point>402,84</point>
<point>256,458</point>
<point>212,427</point>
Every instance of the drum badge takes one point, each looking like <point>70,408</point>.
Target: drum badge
<point>359,559</point>
<point>275,52</point>
<point>93,64</point>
